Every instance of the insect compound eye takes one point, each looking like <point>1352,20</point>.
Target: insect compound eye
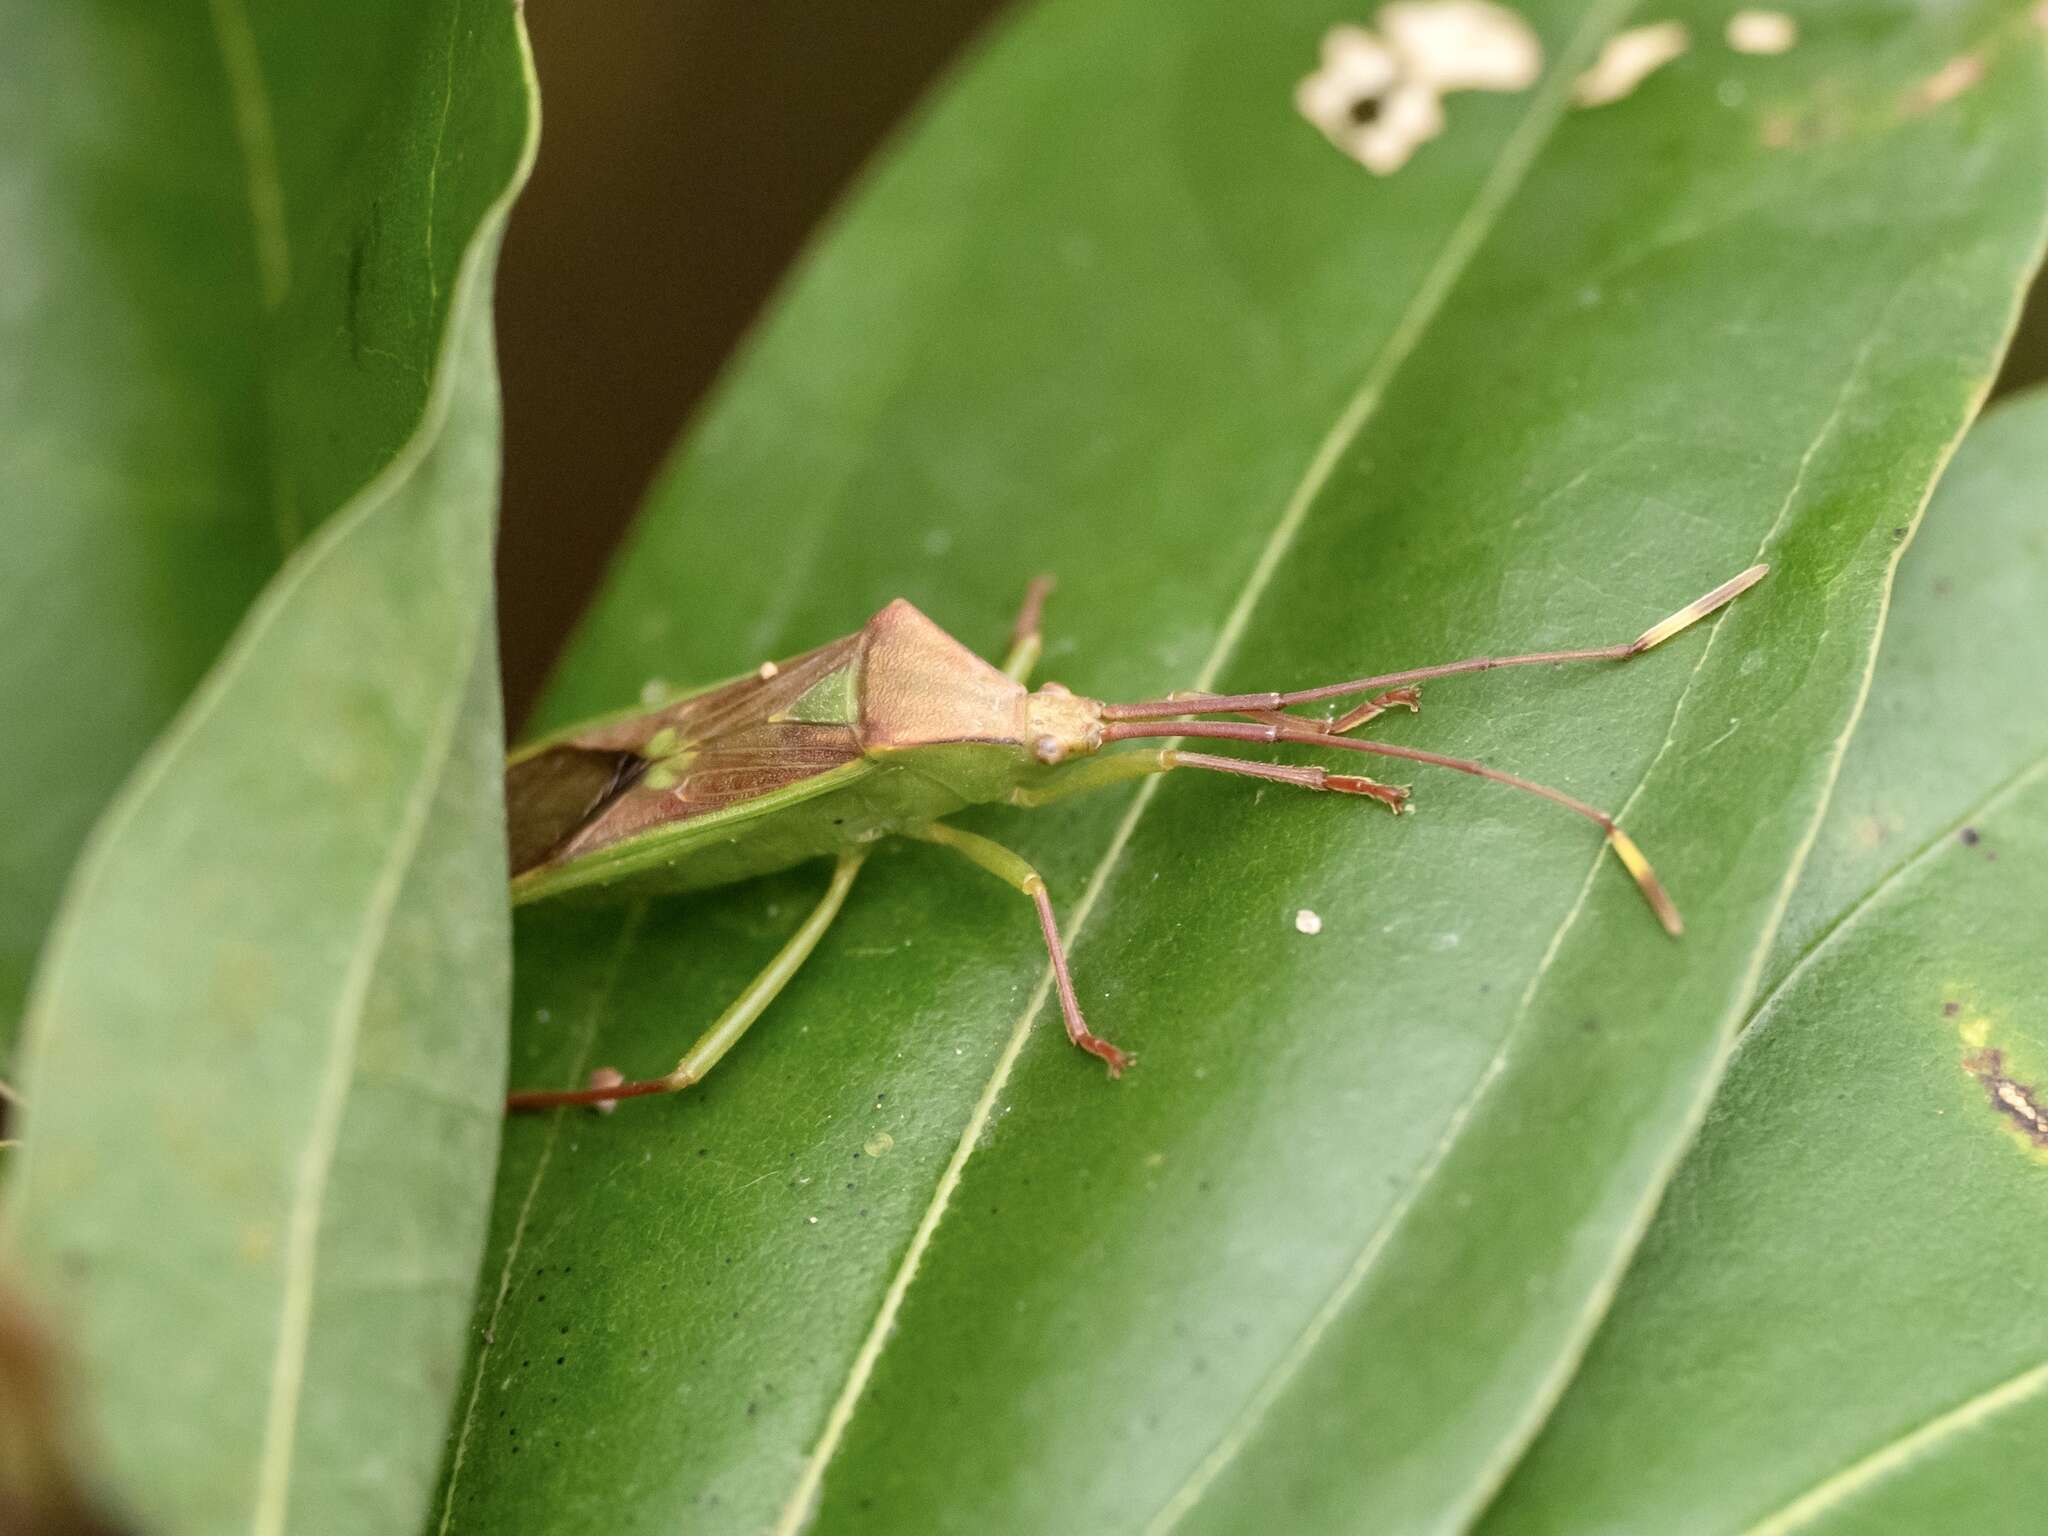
<point>1048,750</point>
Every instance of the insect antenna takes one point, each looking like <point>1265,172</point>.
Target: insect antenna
<point>1239,703</point>
<point>1306,735</point>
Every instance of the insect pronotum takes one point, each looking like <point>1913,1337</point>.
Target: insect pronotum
<point>891,729</point>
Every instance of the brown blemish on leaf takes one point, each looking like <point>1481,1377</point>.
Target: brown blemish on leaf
<point>1819,122</point>
<point>2015,1101</point>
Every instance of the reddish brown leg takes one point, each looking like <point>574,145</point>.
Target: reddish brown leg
<point>1301,775</point>
<point>1014,870</point>
<point>1623,845</point>
<point>1063,980</point>
<point>1409,699</point>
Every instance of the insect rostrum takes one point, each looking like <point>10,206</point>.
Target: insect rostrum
<point>888,731</point>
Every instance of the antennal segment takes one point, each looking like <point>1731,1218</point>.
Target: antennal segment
<point>1239,703</point>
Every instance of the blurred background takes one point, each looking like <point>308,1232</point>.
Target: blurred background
<point>689,149</point>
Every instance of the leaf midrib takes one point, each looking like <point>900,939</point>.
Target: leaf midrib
<point>1523,147</point>
<point>323,1134</point>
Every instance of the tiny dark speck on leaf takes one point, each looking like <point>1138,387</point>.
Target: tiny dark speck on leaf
<point>1950,1010</point>
<point>1898,533</point>
<point>1969,837</point>
<point>559,1359</point>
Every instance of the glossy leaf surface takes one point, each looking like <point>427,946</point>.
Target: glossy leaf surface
<point>906,1261</point>
<point>1833,1324</point>
<point>264,1047</point>
<point>229,233</point>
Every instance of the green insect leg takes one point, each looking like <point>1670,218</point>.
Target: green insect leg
<point>725,1032</point>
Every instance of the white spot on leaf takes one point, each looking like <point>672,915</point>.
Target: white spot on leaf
<point>1463,45</point>
<point>1762,32</point>
<point>1628,60</point>
<point>1306,921</point>
<point>1379,95</point>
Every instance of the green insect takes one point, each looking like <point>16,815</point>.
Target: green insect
<point>887,732</point>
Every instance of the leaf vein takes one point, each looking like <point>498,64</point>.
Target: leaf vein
<point>1850,915</point>
<point>1290,1364</point>
<point>629,932</point>
<point>254,130</point>
<point>1895,1454</point>
<point>1507,175</point>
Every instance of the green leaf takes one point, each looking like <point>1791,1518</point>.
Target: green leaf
<point>230,240</point>
<point>1833,1325</point>
<point>906,1261</point>
<point>265,1044</point>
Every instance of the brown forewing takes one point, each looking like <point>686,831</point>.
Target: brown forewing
<point>575,795</point>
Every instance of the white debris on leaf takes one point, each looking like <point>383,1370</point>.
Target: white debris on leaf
<point>1360,102</point>
<point>1463,45</point>
<point>1762,32</point>
<point>1379,95</point>
<point>1308,922</point>
<point>1628,60</point>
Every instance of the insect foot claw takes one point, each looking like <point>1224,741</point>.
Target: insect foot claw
<point>1393,796</point>
<point>1109,1055</point>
